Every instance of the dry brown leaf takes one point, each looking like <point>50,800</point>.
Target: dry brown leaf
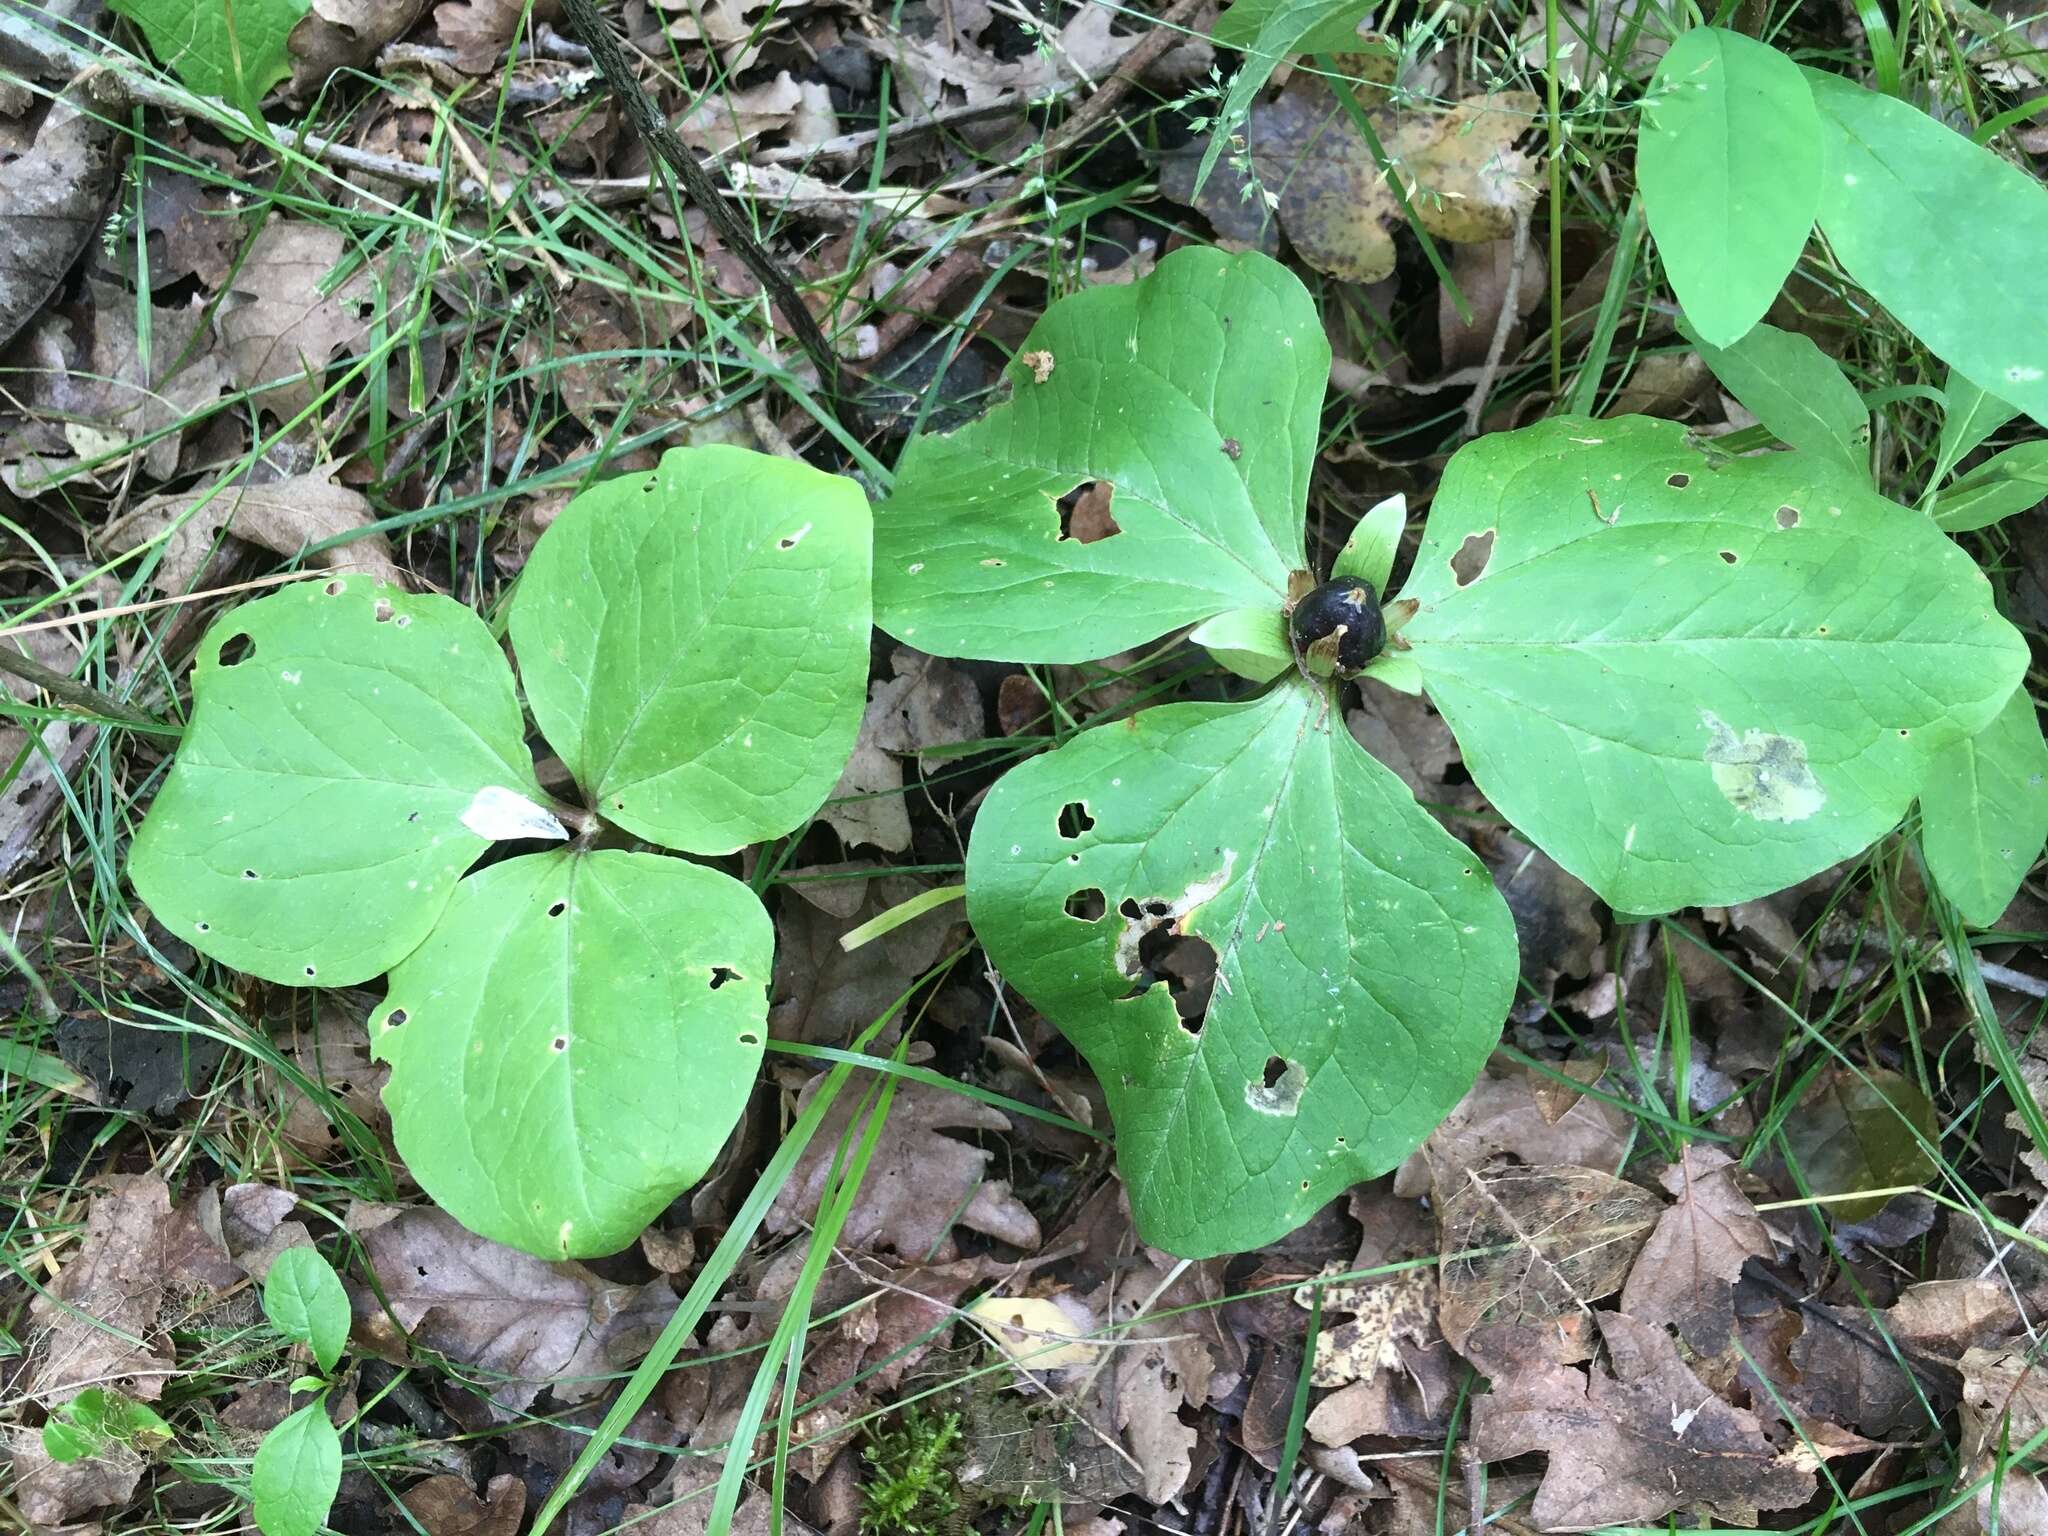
<point>283,517</point>
<point>1413,1403</point>
<point>1407,735</point>
<point>1484,273</point>
<point>824,994</point>
<point>1686,1273</point>
<point>481,31</point>
<point>278,327</point>
<point>2005,1394</point>
<point>1555,923</point>
<point>447,1506</point>
<point>1845,1374</point>
<point>345,34</point>
<point>866,805</point>
<point>1148,1402</point>
<point>113,1290</point>
<point>1562,1238</point>
<point>1502,1116</point>
<point>333,1049</point>
<point>1632,1447</point>
<point>928,703</point>
<point>134,400</point>
<point>521,1322</point>
<point>929,74</point>
<point>1383,1313</point>
<point>725,119</point>
<point>919,1182</point>
<point>49,1493</point>
<point>52,198</point>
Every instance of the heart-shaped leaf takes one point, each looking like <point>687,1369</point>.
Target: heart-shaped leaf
<point>1729,159</point>
<point>573,1044</point>
<point>1363,959</point>
<point>233,51</point>
<point>1195,394</point>
<point>1898,192</point>
<point>352,749</point>
<point>296,1474</point>
<point>1984,812</point>
<point>304,1300</point>
<point>694,642</point>
<point>1694,681</point>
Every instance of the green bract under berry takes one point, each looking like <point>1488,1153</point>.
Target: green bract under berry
<point>572,1033</point>
<point>1689,680</point>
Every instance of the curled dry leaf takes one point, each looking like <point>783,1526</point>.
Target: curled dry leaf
<point>523,1323</point>
<point>1629,1448</point>
<point>345,34</point>
<point>447,1506</point>
<point>1686,1273</point>
<point>1465,181</point>
<point>480,31</point>
<point>1029,1329</point>
<point>284,517</point>
<point>1529,1246</point>
<point>1504,1115</point>
<point>919,1182</point>
<point>930,74</point>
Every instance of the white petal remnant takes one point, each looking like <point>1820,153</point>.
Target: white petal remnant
<point>504,815</point>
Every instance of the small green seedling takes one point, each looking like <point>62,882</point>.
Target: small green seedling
<point>1984,806</point>
<point>98,1419</point>
<point>1690,679</point>
<point>572,1032</point>
<point>298,1466</point>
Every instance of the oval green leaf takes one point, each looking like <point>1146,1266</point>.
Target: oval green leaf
<point>1364,960</point>
<point>304,1300</point>
<point>1196,393</point>
<point>1942,232</point>
<point>694,643</point>
<point>1798,392</point>
<point>1694,681</point>
<point>1729,161</point>
<point>2005,483</point>
<point>1970,416</point>
<point>352,750</point>
<point>572,1046</point>
<point>296,1474</point>
<point>1984,812</point>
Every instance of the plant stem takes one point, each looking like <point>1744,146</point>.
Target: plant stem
<point>700,189</point>
<point>1556,199</point>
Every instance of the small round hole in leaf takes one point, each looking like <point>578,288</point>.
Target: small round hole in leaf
<point>1087,905</point>
<point>1276,1068</point>
<point>309,970</point>
<point>1084,513</point>
<point>235,650</point>
<point>1075,820</point>
<point>750,1038</point>
<point>558,909</point>
<point>1679,481</point>
<point>560,1043</point>
<point>396,1017</point>
<point>203,927</point>
<point>248,874</point>
<point>1469,563</point>
<point>335,588</point>
<point>1729,557</point>
<point>1788,517</point>
<point>721,974</point>
<point>382,612</point>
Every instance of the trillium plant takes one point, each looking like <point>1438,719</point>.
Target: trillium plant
<point>574,1025</point>
<point>1690,678</point>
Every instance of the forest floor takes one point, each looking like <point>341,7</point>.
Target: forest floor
<point>453,288</point>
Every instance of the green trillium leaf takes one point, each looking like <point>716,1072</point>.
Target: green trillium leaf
<point>1971,416</point>
<point>694,642</point>
<point>572,1046</point>
<point>296,1474</point>
<point>1984,812</point>
<point>1694,681</point>
<point>1729,160</point>
<point>304,1300</point>
<point>234,51</point>
<point>1798,392</point>
<point>2003,484</point>
<point>1364,959</point>
<point>352,750</point>
<point>1369,553</point>
<point>1897,194</point>
<point>1195,393</point>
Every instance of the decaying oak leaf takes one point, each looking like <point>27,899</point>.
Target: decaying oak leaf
<point>824,994</point>
<point>1504,1115</point>
<point>344,34</point>
<point>279,325</point>
<point>1528,1246</point>
<point>1382,1313</point>
<point>480,31</point>
<point>2005,1397</point>
<point>524,1324</point>
<point>446,1505</point>
<point>919,1183</point>
<point>1686,1273</point>
<point>1465,181</point>
<point>930,74</point>
<point>1629,1448</point>
<point>929,703</point>
<point>284,517</point>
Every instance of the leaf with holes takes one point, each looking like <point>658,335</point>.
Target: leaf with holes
<point>602,1014</point>
<point>352,750</point>
<point>304,1300</point>
<point>572,1034</point>
<point>1729,159</point>
<point>297,1473</point>
<point>1194,394</point>
<point>1694,681</point>
<point>1942,232</point>
<point>1984,812</point>
<point>1357,959</point>
<point>701,669</point>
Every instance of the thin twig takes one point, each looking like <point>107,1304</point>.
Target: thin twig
<point>1502,324</point>
<point>703,192</point>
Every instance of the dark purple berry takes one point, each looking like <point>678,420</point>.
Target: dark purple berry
<point>1341,622</point>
